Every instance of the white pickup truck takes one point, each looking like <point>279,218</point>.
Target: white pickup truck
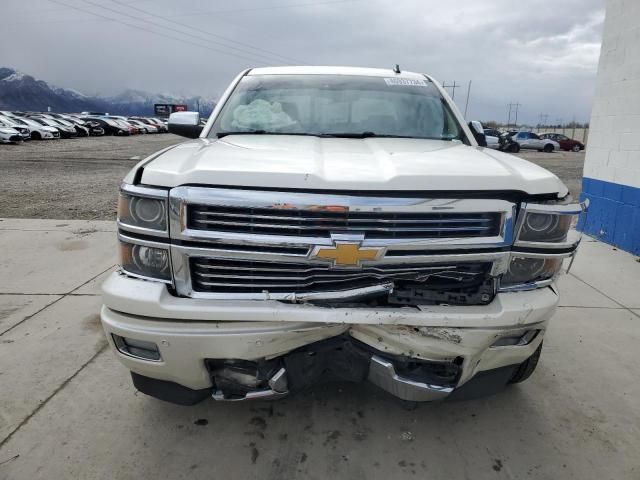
<point>334,224</point>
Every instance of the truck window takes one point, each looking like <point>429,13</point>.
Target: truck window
<point>337,104</point>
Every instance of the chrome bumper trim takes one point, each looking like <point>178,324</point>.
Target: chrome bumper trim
<point>383,374</point>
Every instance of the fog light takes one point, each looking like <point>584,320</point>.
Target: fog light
<point>137,348</point>
<point>516,340</point>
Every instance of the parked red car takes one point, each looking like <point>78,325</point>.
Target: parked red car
<point>565,142</point>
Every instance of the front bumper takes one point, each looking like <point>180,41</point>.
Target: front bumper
<point>189,332</point>
<point>11,139</point>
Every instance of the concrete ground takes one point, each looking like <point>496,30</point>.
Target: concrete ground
<point>68,409</point>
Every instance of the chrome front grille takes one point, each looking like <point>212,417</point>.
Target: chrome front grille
<point>322,223</point>
<point>215,275</point>
<point>248,244</point>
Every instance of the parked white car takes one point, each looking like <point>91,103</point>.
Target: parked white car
<point>38,131</point>
<point>532,141</point>
<point>24,131</point>
<point>334,223</point>
<point>9,135</point>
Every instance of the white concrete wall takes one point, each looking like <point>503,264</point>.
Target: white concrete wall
<point>612,167</point>
<point>613,152</point>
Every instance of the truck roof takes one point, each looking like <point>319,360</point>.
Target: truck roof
<point>317,70</point>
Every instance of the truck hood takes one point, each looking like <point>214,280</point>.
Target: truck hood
<point>302,162</point>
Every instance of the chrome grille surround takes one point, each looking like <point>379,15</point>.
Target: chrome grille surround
<point>281,250</point>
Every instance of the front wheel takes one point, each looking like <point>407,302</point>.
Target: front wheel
<point>515,148</point>
<point>526,368</point>
<point>548,148</point>
<point>576,148</point>
<point>36,136</point>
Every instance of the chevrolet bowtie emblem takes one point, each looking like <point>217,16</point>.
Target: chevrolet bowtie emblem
<point>347,254</point>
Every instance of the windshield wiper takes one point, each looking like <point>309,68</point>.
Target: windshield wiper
<point>326,135</point>
<point>361,135</point>
<point>261,132</point>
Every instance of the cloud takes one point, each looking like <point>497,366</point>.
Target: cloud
<point>541,53</point>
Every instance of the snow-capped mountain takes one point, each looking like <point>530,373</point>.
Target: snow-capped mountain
<point>131,101</point>
<point>20,91</point>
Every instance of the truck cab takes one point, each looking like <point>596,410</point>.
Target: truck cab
<point>334,224</point>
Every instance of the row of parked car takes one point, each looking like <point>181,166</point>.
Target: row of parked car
<point>16,127</point>
<point>514,140</point>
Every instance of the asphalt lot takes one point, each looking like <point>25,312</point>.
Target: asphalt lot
<point>68,409</point>
<point>79,178</point>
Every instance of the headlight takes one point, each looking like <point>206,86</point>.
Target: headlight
<point>146,261</point>
<point>548,224</point>
<point>146,210</point>
<point>525,271</point>
<point>545,227</point>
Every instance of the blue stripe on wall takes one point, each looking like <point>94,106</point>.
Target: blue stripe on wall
<point>614,213</point>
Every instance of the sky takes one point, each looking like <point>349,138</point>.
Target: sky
<point>542,54</point>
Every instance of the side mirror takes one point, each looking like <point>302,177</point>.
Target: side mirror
<point>478,132</point>
<point>185,124</point>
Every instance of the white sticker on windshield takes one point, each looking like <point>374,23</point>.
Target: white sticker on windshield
<point>411,82</point>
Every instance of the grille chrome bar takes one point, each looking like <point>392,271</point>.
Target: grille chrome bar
<point>321,223</point>
<point>352,218</point>
<point>329,228</point>
<point>284,268</point>
<point>209,275</point>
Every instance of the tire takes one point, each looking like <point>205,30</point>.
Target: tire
<point>576,148</point>
<point>548,148</point>
<point>515,148</point>
<point>526,368</point>
<point>36,136</point>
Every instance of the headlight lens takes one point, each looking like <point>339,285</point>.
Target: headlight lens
<point>142,212</point>
<point>524,270</point>
<point>545,227</point>
<point>146,261</point>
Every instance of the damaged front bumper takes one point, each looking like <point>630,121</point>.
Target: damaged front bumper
<point>266,349</point>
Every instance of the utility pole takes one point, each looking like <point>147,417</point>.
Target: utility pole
<point>517,106</point>
<point>466,104</point>
<point>452,87</point>
<point>543,119</point>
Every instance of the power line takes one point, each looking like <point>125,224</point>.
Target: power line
<point>138,27</point>
<point>270,7</point>
<point>166,19</point>
<point>196,14</point>
<point>164,27</point>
